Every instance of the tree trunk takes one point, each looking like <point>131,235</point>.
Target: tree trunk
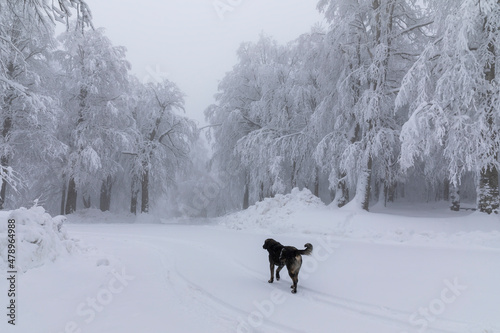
<point>316,183</point>
<point>446,190</point>
<point>63,196</point>
<point>71,198</point>
<point>246,197</point>
<point>87,202</point>
<point>365,184</point>
<point>105,198</point>
<point>488,198</point>
<point>294,170</point>
<point>3,191</point>
<point>378,189</point>
<point>4,160</point>
<point>261,192</point>
<point>455,198</point>
<point>145,192</point>
<point>389,193</point>
<point>342,191</point>
<point>135,194</point>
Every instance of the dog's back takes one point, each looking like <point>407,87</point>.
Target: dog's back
<point>292,257</point>
<point>291,251</point>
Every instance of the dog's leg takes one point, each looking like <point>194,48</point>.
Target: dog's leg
<point>295,279</point>
<point>271,266</point>
<point>278,271</point>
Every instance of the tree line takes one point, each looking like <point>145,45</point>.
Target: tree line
<point>393,98</point>
<point>74,121</point>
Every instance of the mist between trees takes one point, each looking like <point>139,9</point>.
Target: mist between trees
<point>392,99</point>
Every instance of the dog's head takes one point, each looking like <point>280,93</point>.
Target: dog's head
<point>268,242</point>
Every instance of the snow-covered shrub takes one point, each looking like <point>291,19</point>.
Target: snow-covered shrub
<point>39,238</point>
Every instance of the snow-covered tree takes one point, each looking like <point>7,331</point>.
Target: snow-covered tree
<point>233,117</point>
<point>294,106</point>
<point>163,138</point>
<point>33,12</point>
<point>271,115</point>
<point>453,97</point>
<point>93,83</point>
<point>28,111</point>
<point>377,40</point>
<point>261,117</point>
<point>50,11</point>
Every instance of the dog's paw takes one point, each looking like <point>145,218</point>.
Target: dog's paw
<point>277,278</point>
<point>270,281</point>
<point>294,291</point>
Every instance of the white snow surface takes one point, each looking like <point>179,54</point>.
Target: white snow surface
<point>405,268</point>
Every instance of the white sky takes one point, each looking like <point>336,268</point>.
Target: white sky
<point>188,42</point>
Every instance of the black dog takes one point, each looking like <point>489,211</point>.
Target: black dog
<point>290,256</point>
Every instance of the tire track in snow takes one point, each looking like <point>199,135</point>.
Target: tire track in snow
<point>390,316</point>
<point>172,275</point>
<point>393,317</point>
<point>383,313</point>
<point>207,298</point>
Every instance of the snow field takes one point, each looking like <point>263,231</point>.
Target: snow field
<point>390,271</point>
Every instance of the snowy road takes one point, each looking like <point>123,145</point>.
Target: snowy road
<point>180,278</point>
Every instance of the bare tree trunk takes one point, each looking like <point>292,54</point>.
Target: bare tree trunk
<point>446,190</point>
<point>4,160</point>
<point>389,192</point>
<point>134,194</point>
<point>342,194</point>
<point>87,202</point>
<point>63,196</point>
<point>366,178</point>
<point>145,192</point>
<point>455,198</point>
<point>246,198</point>
<point>261,192</point>
<point>488,198</point>
<point>71,198</point>
<point>488,191</point>
<point>105,198</point>
<point>316,183</point>
<point>3,190</point>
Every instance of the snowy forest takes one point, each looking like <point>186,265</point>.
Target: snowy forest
<point>390,100</point>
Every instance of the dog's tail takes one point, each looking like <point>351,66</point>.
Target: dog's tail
<point>308,250</point>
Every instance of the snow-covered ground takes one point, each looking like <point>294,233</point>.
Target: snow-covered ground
<point>406,268</point>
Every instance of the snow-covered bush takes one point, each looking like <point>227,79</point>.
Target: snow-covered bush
<point>39,238</point>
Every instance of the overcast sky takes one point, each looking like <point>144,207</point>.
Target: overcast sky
<point>193,43</point>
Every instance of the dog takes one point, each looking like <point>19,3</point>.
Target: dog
<point>289,256</point>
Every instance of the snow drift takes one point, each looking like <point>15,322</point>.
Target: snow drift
<point>300,212</point>
<point>273,213</point>
<point>39,238</point>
